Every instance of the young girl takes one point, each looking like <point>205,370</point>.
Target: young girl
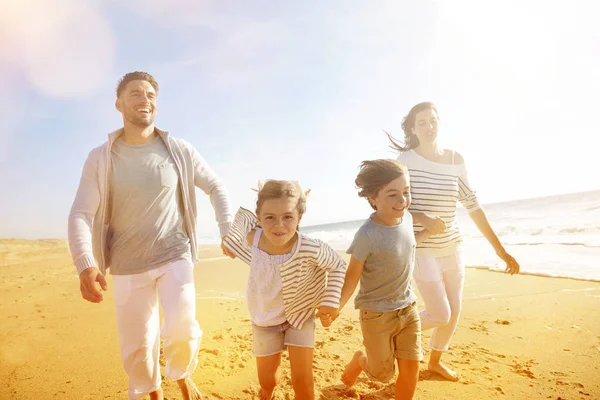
<point>382,258</point>
<point>290,276</point>
<point>440,180</point>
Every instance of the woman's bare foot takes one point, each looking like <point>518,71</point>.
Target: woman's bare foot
<point>189,389</point>
<point>264,394</point>
<point>157,395</point>
<point>353,368</point>
<point>443,371</point>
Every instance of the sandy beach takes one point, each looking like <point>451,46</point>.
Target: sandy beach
<point>520,337</point>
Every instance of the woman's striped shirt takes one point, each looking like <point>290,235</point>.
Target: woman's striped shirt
<point>435,189</point>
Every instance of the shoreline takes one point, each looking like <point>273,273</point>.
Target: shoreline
<point>536,274</point>
<point>62,243</point>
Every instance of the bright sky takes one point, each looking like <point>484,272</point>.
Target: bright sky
<point>299,90</point>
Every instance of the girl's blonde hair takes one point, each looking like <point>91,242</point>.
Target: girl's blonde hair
<point>276,189</point>
<point>375,174</point>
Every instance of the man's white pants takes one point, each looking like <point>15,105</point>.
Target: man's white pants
<point>136,299</point>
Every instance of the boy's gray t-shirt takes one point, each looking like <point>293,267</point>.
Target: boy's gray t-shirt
<point>389,256</point>
<point>146,228</point>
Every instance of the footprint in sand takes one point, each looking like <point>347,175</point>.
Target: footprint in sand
<point>375,385</point>
<point>250,390</point>
<point>214,352</point>
<point>558,373</point>
<point>339,392</point>
<point>424,375</point>
<point>524,368</point>
<point>480,327</point>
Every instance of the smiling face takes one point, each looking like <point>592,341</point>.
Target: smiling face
<point>137,103</point>
<point>392,200</point>
<point>279,219</point>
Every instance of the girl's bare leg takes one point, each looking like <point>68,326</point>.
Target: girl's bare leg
<point>301,359</point>
<point>267,368</point>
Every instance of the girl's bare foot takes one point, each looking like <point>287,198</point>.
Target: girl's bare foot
<point>443,371</point>
<point>353,368</point>
<point>189,389</point>
<point>157,395</point>
<point>264,394</point>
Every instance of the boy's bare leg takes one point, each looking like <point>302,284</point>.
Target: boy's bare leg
<point>353,369</point>
<point>408,376</point>
<point>267,368</point>
<point>188,389</point>
<point>301,363</point>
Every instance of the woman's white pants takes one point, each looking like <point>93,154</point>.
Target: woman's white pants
<point>440,281</point>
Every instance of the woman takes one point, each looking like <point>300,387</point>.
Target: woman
<point>438,181</point>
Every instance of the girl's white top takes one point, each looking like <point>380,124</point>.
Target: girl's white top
<point>312,277</point>
<point>264,290</point>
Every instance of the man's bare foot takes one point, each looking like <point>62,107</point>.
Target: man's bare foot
<point>189,389</point>
<point>264,395</point>
<point>157,395</point>
<point>353,368</point>
<point>443,371</point>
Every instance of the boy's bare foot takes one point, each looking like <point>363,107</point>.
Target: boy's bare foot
<point>157,395</point>
<point>353,369</point>
<point>443,371</point>
<point>189,389</point>
<point>264,395</point>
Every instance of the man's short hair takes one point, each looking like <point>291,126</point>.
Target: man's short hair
<point>136,76</point>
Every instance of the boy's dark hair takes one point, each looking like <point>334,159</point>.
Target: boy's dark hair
<point>375,174</point>
<point>136,76</point>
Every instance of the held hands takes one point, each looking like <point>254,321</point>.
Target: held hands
<point>226,251</point>
<point>87,284</point>
<point>512,266</point>
<point>435,225</point>
<point>327,315</point>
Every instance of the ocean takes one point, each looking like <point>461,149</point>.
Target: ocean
<point>555,236</point>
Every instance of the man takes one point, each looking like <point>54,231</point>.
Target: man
<point>135,212</point>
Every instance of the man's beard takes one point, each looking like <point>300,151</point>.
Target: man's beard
<point>140,122</point>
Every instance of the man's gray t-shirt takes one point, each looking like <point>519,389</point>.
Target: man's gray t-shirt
<point>389,256</point>
<point>146,227</point>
